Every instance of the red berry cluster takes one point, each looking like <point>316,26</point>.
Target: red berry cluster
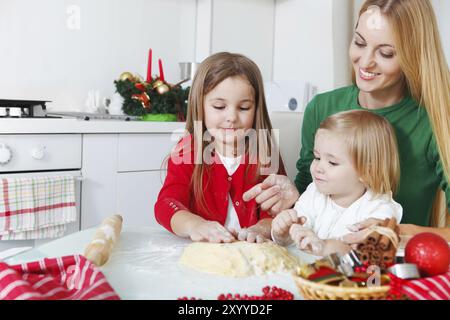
<point>361,269</point>
<point>269,293</point>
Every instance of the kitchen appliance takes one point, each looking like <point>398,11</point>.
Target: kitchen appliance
<point>33,155</point>
<point>92,116</point>
<point>38,109</point>
<point>23,109</point>
<point>187,72</point>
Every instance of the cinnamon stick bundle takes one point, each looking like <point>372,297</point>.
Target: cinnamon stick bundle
<point>364,257</point>
<point>374,237</point>
<point>375,258</point>
<point>377,248</point>
<point>388,257</point>
<point>384,241</point>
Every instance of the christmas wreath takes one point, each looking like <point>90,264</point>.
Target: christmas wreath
<point>154,97</point>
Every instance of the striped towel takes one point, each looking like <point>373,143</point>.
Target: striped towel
<point>64,278</point>
<point>36,208</point>
<point>430,288</point>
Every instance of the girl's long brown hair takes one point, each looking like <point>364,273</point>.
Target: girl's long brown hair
<point>212,71</point>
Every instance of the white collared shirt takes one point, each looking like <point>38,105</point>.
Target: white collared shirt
<point>328,220</point>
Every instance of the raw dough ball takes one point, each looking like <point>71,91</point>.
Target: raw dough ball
<point>238,259</point>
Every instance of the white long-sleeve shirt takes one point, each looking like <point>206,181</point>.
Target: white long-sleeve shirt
<point>328,220</point>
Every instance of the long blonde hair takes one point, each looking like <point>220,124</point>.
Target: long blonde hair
<point>211,72</point>
<point>372,147</point>
<point>423,63</point>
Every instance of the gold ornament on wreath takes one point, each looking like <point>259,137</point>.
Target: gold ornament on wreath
<point>127,76</point>
<point>152,97</point>
<point>160,87</point>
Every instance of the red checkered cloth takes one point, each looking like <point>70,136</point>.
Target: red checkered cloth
<point>431,288</point>
<point>36,207</point>
<point>64,278</point>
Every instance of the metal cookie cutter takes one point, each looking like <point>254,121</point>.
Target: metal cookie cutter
<point>345,263</point>
<point>405,271</point>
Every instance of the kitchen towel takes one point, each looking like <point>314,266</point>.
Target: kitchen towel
<point>36,207</point>
<point>63,278</point>
<point>430,288</point>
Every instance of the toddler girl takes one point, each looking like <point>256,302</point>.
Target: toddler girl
<point>355,171</point>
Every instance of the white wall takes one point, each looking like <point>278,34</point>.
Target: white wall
<point>442,9</point>
<point>42,58</point>
<point>246,27</point>
<point>342,36</point>
<point>310,40</point>
<point>45,57</point>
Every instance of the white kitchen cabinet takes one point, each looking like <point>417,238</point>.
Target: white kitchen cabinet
<point>123,174</point>
<point>143,152</point>
<point>136,196</point>
<point>99,171</point>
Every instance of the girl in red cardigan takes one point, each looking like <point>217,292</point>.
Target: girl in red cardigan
<point>228,148</point>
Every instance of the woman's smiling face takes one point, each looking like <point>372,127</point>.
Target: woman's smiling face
<point>373,55</point>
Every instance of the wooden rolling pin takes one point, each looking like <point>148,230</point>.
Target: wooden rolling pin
<point>100,248</point>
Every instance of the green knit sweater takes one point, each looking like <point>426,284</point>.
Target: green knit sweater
<point>421,170</point>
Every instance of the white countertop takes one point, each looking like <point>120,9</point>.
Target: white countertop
<point>144,265</point>
<point>37,126</point>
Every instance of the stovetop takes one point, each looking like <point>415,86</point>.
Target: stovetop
<point>36,109</point>
<point>11,108</point>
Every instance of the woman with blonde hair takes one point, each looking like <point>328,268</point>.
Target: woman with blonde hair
<point>399,72</point>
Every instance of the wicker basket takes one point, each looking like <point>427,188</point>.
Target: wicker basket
<point>316,291</point>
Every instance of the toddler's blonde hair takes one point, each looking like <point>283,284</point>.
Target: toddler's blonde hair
<point>372,146</point>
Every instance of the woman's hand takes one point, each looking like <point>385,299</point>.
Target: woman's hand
<point>210,231</point>
<point>360,231</point>
<point>274,194</point>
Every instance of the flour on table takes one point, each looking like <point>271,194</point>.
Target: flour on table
<point>238,259</point>
<point>149,257</point>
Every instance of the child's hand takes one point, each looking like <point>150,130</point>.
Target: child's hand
<point>283,221</point>
<point>305,239</point>
<point>251,234</point>
<point>210,231</point>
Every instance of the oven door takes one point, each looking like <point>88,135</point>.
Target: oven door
<point>71,227</point>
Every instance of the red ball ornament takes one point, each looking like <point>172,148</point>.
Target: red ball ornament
<point>429,252</point>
